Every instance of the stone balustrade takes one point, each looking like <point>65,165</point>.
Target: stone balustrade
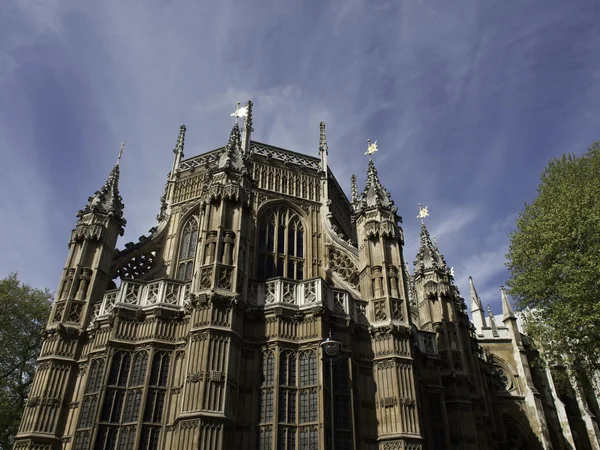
<point>136,293</point>
<point>299,295</point>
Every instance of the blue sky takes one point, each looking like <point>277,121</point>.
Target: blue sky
<point>468,101</point>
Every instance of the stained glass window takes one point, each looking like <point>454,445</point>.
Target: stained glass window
<point>140,364</point>
<point>160,369</point>
<point>280,245</point>
<point>132,407</point>
<point>268,368</point>
<point>187,249</point>
<point>119,369</point>
<point>154,405</point>
<point>127,438</point>
<point>287,368</point>
<point>107,438</point>
<point>286,438</point>
<point>149,439</point>
<point>265,438</point>
<point>88,411</point>
<point>308,368</point>
<point>95,377</point>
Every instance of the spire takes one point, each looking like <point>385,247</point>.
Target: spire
<point>120,153</point>
<point>107,200</point>
<point>232,157</point>
<point>507,310</point>
<point>323,149</point>
<point>493,322</point>
<point>180,140</point>
<point>178,150</point>
<point>323,139</point>
<point>247,128</point>
<point>354,190</point>
<point>476,308</point>
<point>429,257</point>
<point>374,194</point>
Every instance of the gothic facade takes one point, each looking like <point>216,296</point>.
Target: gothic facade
<point>208,332</point>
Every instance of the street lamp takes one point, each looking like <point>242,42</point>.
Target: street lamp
<point>331,348</point>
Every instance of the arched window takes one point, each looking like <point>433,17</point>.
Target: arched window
<point>95,379</point>
<point>287,395</point>
<point>160,369</point>
<point>280,245</point>
<point>119,369</point>
<point>187,249</point>
<point>140,364</point>
<point>309,410</point>
<point>267,393</point>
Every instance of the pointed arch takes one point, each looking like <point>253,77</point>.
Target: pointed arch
<point>188,242</point>
<point>280,242</point>
<point>505,376</point>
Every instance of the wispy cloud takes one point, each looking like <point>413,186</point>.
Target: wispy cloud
<point>467,101</point>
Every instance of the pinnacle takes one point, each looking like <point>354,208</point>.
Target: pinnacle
<point>323,139</point>
<point>374,194</point>
<point>233,157</point>
<point>475,300</point>
<point>429,257</point>
<point>180,140</point>
<point>507,310</point>
<point>107,200</point>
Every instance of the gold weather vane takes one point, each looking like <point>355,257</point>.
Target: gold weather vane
<point>120,153</point>
<point>423,212</point>
<point>371,148</point>
<point>239,112</point>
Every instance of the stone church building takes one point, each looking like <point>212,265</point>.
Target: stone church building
<point>266,310</point>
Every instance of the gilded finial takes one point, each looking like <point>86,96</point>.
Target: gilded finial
<point>120,154</point>
<point>371,148</point>
<point>423,212</point>
<point>239,112</point>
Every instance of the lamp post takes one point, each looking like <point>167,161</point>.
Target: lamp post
<point>331,348</point>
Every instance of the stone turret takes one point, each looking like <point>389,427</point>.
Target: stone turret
<point>383,285</point>
<point>382,279</point>
<point>77,302</point>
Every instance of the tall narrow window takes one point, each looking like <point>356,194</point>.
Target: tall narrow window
<point>89,404</point>
<point>267,390</point>
<point>342,403</point>
<point>155,400</point>
<point>187,249</point>
<point>308,405</point>
<point>114,399</point>
<point>280,245</point>
<point>287,388</point>
<point>133,401</point>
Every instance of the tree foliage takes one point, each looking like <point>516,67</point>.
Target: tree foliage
<point>24,311</point>
<point>554,261</point>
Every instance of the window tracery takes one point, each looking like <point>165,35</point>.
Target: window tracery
<point>308,395</point>
<point>267,390</point>
<point>155,400</point>
<point>187,249</point>
<point>280,244</point>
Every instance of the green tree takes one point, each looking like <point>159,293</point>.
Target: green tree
<point>554,261</point>
<point>23,311</point>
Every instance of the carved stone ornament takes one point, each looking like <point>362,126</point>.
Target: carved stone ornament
<point>379,311</point>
